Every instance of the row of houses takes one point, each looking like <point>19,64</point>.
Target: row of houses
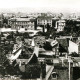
<point>34,23</point>
<point>58,47</point>
<point>27,23</point>
<point>64,45</point>
<point>40,21</point>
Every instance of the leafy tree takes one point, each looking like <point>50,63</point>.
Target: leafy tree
<point>48,27</point>
<point>26,35</point>
<point>43,34</point>
<point>5,20</point>
<point>71,28</point>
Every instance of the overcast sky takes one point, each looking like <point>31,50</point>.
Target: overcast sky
<point>47,5</point>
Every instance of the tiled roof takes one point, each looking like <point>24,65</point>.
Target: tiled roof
<point>61,20</point>
<point>22,19</point>
<point>63,42</point>
<point>63,45</point>
<point>44,17</point>
<point>77,59</point>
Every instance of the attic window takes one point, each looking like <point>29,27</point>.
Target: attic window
<point>54,75</point>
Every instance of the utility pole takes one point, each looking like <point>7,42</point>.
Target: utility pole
<point>69,60</point>
<point>69,70</point>
<point>41,65</point>
<point>62,62</point>
<point>41,72</point>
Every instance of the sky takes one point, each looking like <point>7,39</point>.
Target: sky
<point>45,5</point>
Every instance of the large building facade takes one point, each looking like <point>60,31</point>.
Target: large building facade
<point>17,23</point>
<point>44,20</point>
<point>60,25</point>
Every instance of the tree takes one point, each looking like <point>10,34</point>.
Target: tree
<point>2,55</point>
<point>43,34</point>
<point>48,27</point>
<point>26,35</point>
<point>71,28</point>
<point>5,21</point>
<point>52,32</point>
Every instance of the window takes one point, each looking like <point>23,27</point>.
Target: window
<point>54,75</point>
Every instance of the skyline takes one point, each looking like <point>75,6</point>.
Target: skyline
<point>40,5</point>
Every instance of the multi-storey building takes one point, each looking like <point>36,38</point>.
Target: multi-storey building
<point>44,20</point>
<point>18,23</point>
<point>60,25</point>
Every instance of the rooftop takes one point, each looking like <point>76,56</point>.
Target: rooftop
<point>63,41</point>
<point>44,17</point>
<point>22,19</point>
<point>62,20</point>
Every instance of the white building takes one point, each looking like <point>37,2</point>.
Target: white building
<point>44,20</point>
<point>73,47</point>
<point>17,23</point>
<point>60,25</point>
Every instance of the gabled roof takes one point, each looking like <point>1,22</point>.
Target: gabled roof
<point>63,44</point>
<point>63,41</point>
<point>77,59</point>
<point>22,19</point>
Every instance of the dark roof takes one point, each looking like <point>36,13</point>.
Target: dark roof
<point>33,59</point>
<point>63,44</point>
<point>32,20</point>
<point>44,17</point>
<point>33,71</point>
<point>63,41</point>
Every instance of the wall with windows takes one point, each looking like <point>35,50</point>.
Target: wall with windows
<point>17,24</point>
<point>60,25</point>
<point>44,21</point>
